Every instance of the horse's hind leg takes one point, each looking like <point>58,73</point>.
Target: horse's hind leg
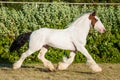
<point>46,62</point>
<point>18,64</point>
<point>66,62</point>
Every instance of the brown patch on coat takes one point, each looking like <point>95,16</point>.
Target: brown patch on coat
<point>93,19</point>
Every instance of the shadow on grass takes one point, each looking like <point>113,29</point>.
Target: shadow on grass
<point>6,65</point>
<point>37,68</point>
<point>85,72</point>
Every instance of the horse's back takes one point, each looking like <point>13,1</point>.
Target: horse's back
<point>52,37</point>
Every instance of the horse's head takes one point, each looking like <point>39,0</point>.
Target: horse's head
<point>96,23</point>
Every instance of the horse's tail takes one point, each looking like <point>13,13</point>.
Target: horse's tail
<point>19,41</point>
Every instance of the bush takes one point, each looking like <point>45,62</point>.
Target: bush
<point>103,48</point>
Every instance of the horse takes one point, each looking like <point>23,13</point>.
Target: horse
<point>72,38</point>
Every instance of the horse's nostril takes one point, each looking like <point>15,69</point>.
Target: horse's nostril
<point>104,30</point>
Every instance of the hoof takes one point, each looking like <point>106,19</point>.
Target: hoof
<point>96,68</point>
<point>16,66</point>
<point>51,68</point>
<point>62,66</point>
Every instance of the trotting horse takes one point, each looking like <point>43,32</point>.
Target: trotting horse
<point>72,38</point>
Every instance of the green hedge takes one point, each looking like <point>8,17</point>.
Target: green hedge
<point>81,1</point>
<point>103,47</point>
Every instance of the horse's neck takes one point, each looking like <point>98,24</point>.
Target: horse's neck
<point>81,26</point>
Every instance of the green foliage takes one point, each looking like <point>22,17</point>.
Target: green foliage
<point>81,1</point>
<point>103,47</point>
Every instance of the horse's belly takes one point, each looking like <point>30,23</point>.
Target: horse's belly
<point>62,42</point>
<point>64,46</point>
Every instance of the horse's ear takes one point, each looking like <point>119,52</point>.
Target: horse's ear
<point>94,13</point>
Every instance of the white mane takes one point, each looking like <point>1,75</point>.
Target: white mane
<point>79,19</point>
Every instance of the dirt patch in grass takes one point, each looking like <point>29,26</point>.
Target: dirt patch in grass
<point>74,72</point>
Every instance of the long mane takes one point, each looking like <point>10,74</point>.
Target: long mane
<point>79,18</point>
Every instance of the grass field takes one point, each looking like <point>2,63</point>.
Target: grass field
<point>75,72</point>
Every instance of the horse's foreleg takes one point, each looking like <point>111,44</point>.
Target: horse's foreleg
<point>93,65</point>
<point>18,64</point>
<point>64,65</point>
<point>46,62</point>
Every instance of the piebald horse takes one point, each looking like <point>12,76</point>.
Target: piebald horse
<point>72,38</point>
